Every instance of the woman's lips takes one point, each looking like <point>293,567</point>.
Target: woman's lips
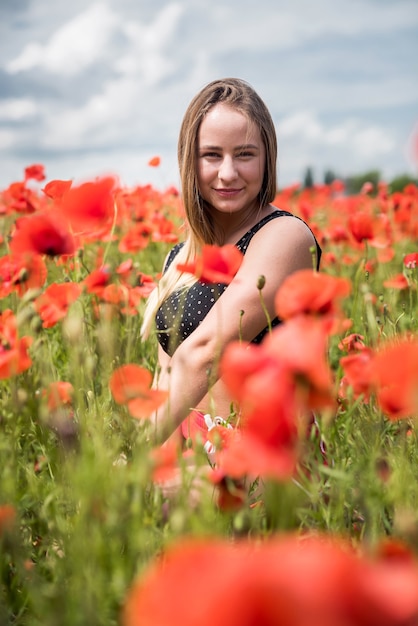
<point>227,193</point>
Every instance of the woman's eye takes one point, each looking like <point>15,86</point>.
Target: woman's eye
<point>245,155</point>
<point>210,155</point>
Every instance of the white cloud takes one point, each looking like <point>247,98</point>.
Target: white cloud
<point>372,142</point>
<point>15,109</point>
<point>351,134</point>
<point>128,104</point>
<point>87,38</point>
<point>282,24</point>
<point>108,115</point>
<point>7,138</point>
<point>73,47</point>
<point>303,122</point>
<point>147,56</point>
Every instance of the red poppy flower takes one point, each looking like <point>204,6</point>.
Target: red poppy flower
<point>358,371</point>
<point>165,462</point>
<point>56,189</point>
<point>337,233</point>
<point>411,260</point>
<point>247,371</point>
<point>385,255</point>
<point>267,438</point>
<point>7,518</point>
<point>217,264</point>
<point>90,205</point>
<point>395,371</point>
<point>42,233</point>
<point>136,239</point>
<point>57,394</point>
<point>301,344</point>
<point>231,494</point>
<point>311,293</point>
<point>52,306</point>
<point>35,172</point>
<point>366,188</point>
<point>97,280</point>
<point>154,161</point>
<point>115,294</point>
<point>141,291</point>
<point>397,282</point>
<point>163,228</point>
<point>249,454</point>
<point>276,385</point>
<point>360,225</point>
<point>14,357</point>
<point>352,342</point>
<point>18,197</point>
<point>21,273</point>
<point>289,580</point>
<point>125,268</point>
<point>130,385</point>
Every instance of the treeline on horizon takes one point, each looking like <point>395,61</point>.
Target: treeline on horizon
<point>354,184</point>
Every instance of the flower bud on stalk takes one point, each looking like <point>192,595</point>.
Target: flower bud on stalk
<point>261,282</point>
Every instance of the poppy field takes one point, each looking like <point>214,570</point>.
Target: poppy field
<point>305,512</point>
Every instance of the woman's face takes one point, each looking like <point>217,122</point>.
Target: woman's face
<point>231,160</point>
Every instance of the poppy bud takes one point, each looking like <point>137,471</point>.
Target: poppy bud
<point>261,282</point>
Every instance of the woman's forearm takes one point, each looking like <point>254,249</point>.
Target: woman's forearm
<point>187,380</point>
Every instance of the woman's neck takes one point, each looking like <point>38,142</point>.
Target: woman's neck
<point>230,227</point>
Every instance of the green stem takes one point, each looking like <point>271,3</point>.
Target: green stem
<point>260,285</point>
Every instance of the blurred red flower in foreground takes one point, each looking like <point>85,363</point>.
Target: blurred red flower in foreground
<point>14,357</point>
<point>311,293</point>
<point>90,205</point>
<point>276,385</point>
<point>283,581</point>
<point>42,233</point>
<point>217,264</point>
<point>130,385</point>
<point>165,461</point>
<point>52,306</point>
<point>301,345</point>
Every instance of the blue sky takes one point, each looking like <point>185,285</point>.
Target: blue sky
<point>94,87</point>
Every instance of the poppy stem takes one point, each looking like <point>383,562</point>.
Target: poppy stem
<point>241,314</point>
<point>260,285</point>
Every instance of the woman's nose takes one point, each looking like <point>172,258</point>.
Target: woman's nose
<point>227,170</point>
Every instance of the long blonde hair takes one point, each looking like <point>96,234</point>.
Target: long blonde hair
<point>201,229</point>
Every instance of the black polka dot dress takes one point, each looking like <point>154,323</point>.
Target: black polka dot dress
<point>182,312</point>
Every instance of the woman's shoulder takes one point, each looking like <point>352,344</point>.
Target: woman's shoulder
<point>288,233</point>
<point>275,213</point>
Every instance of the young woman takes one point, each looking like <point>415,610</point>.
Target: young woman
<point>227,154</point>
